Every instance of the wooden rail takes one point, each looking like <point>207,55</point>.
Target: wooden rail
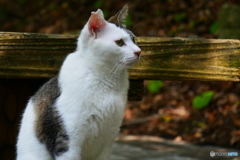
<point>28,55</point>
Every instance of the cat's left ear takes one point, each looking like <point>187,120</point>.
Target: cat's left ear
<point>96,23</point>
<point>120,17</point>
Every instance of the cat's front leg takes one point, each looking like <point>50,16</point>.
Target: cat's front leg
<point>74,150</point>
<point>104,155</point>
<point>70,155</point>
<point>106,151</point>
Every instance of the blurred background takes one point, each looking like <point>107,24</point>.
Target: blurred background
<point>197,112</point>
<point>182,18</point>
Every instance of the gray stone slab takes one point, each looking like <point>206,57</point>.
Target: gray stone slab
<point>154,148</point>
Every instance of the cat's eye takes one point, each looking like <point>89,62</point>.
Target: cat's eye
<point>120,42</point>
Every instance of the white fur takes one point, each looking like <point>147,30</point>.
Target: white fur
<point>28,146</point>
<point>94,85</point>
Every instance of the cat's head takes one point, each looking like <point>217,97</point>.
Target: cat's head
<point>109,41</point>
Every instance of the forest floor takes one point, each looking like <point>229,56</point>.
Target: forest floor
<point>168,113</point>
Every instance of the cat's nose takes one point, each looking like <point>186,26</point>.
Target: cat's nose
<point>137,53</point>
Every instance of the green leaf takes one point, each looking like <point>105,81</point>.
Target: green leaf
<point>158,12</point>
<point>214,27</point>
<point>52,7</point>
<point>154,86</point>
<point>180,17</point>
<point>202,100</point>
<point>198,123</point>
<point>105,13</point>
<point>98,4</point>
<point>128,21</point>
<point>22,1</point>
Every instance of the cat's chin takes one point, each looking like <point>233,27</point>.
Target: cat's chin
<point>131,64</point>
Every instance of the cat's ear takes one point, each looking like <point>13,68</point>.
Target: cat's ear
<point>120,17</point>
<point>96,22</point>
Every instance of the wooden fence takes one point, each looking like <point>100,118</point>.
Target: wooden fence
<point>28,55</point>
<point>27,60</point>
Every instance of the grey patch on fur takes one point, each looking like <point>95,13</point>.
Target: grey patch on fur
<point>49,126</point>
<point>119,19</point>
<point>130,34</point>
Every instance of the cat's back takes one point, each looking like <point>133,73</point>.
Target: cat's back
<point>37,120</point>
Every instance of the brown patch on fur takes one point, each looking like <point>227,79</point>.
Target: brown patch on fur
<point>120,17</point>
<point>49,126</point>
<point>119,20</point>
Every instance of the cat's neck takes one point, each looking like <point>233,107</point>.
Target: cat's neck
<point>77,69</point>
<point>110,75</point>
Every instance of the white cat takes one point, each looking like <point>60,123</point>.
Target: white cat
<point>77,114</point>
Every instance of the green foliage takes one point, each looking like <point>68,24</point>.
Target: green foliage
<point>199,124</point>
<point>22,1</point>
<point>3,13</point>
<point>214,27</point>
<point>202,100</point>
<point>192,24</point>
<point>181,27</point>
<point>128,21</point>
<point>41,3</point>
<point>52,7</point>
<point>180,17</point>
<point>98,4</point>
<point>158,12</point>
<point>171,33</point>
<point>105,13</point>
<point>154,86</point>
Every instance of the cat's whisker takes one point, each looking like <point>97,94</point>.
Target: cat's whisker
<point>119,72</point>
<point>117,64</point>
<point>141,61</point>
<point>117,69</point>
<point>142,58</point>
<point>120,68</point>
<point>111,71</point>
<point>135,26</point>
<point>114,72</point>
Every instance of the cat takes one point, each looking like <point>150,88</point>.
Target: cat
<point>77,114</point>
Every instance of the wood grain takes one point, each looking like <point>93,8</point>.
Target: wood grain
<point>188,59</point>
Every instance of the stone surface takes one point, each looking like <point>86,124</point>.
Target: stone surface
<point>153,148</point>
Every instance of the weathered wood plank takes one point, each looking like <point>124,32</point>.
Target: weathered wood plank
<point>28,55</point>
<point>188,59</point>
